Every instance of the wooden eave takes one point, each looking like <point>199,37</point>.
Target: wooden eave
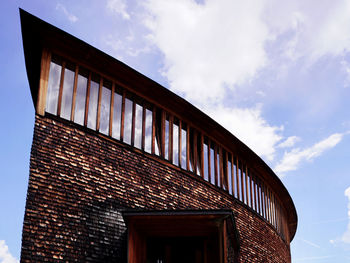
<point>37,34</point>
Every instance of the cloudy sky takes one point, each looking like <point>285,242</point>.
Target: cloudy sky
<point>274,73</point>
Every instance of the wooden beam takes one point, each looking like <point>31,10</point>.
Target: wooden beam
<point>74,92</point>
<point>188,148</point>
<point>111,112</point>
<point>44,80</point>
<point>221,168</point>
<point>170,138</point>
<point>180,143</point>
<point>61,89</point>
<point>232,176</point>
<point>122,117</point>
<point>87,100</point>
<point>133,119</point>
<point>237,179</point>
<point>250,187</point>
<point>202,155</point>
<point>216,165</point>
<point>259,193</point>
<point>194,151</point>
<point>162,131</point>
<point>143,135</point>
<point>246,184</point>
<point>154,113</point>
<point>99,105</point>
<point>209,162</point>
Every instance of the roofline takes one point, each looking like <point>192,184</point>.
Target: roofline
<point>38,34</point>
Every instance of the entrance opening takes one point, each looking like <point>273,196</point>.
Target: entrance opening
<point>182,249</point>
<point>179,236</point>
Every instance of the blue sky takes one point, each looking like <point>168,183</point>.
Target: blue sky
<point>275,73</point>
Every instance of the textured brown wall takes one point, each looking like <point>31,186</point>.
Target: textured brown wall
<point>79,183</point>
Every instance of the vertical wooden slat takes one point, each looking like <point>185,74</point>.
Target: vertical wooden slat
<point>143,136</point>
<point>237,179</point>
<point>246,184</point>
<point>195,152</point>
<point>209,162</point>
<point>99,105</point>
<point>153,144</point>
<point>242,183</point>
<point>61,89</point>
<point>87,100</point>
<point>122,117</point>
<point>170,137</point>
<point>133,119</point>
<point>227,173</point>
<point>232,175</point>
<point>202,155</point>
<point>111,112</point>
<point>216,165</point>
<point>162,131</point>
<point>188,148</point>
<point>180,143</point>
<point>74,92</point>
<point>251,189</point>
<point>259,197</point>
<point>269,205</point>
<point>265,203</point>
<point>255,192</point>
<point>221,168</point>
<point>44,80</point>
<point>223,179</point>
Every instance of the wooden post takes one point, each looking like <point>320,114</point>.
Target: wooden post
<point>133,118</point>
<point>216,165</point>
<point>194,150</point>
<point>180,143</point>
<point>61,89</point>
<point>122,117</point>
<point>111,112</point>
<point>188,148</point>
<point>209,162</point>
<point>237,179</point>
<point>232,176</point>
<point>154,113</point>
<point>87,100</point>
<point>170,137</point>
<point>162,131</point>
<point>74,92</point>
<point>143,128</point>
<point>44,80</point>
<point>202,155</point>
<point>99,105</point>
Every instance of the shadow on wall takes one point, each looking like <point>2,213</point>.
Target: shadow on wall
<point>106,232</point>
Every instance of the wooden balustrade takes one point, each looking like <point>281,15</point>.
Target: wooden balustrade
<point>122,115</point>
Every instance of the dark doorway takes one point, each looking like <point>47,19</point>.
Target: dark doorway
<point>182,250</point>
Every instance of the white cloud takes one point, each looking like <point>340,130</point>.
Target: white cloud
<point>294,158</point>
<point>249,126</point>
<point>69,15</point>
<point>346,236</point>
<point>119,7</point>
<point>5,255</point>
<point>289,142</point>
<point>208,47</point>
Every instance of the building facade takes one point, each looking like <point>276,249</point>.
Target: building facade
<point>123,170</point>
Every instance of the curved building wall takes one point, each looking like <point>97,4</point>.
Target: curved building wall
<point>80,183</point>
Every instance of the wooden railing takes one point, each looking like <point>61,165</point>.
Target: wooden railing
<point>99,103</point>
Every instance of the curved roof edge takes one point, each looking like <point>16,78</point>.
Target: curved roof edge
<point>37,34</point>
